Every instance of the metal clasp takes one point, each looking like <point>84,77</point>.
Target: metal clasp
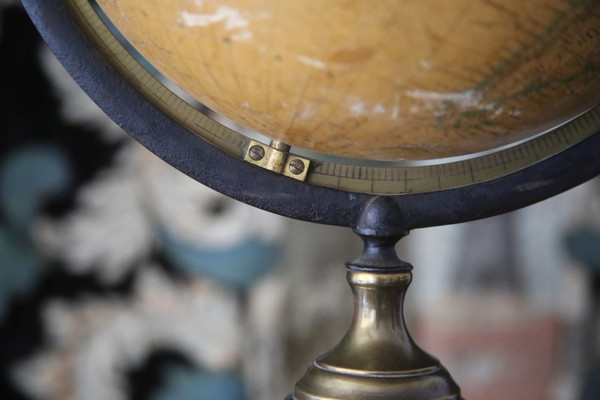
<point>276,157</point>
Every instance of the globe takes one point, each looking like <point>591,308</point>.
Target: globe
<point>380,80</point>
<point>512,85</point>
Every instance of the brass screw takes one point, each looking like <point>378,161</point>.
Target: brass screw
<point>256,152</point>
<point>296,166</point>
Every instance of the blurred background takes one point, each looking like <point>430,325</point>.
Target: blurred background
<point>120,278</point>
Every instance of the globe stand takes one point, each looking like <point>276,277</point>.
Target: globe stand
<point>377,358</point>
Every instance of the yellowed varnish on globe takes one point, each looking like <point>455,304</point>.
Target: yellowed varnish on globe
<point>382,80</point>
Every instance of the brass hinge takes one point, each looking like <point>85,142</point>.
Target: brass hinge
<point>276,157</point>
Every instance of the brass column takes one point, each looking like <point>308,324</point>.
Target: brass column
<point>377,359</point>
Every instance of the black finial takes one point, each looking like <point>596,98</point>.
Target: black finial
<point>380,226</point>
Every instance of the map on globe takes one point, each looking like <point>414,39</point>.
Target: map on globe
<point>385,80</point>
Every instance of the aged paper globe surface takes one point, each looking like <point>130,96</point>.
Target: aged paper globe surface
<point>384,79</point>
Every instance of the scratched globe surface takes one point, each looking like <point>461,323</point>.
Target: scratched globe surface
<point>382,80</point>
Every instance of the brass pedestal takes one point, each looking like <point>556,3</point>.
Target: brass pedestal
<point>377,359</point>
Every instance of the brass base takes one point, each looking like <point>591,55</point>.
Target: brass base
<point>377,359</point>
<point>321,384</point>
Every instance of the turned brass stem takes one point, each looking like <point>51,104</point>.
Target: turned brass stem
<point>378,329</point>
<point>377,359</point>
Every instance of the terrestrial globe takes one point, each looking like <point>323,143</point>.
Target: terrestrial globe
<point>383,116</point>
